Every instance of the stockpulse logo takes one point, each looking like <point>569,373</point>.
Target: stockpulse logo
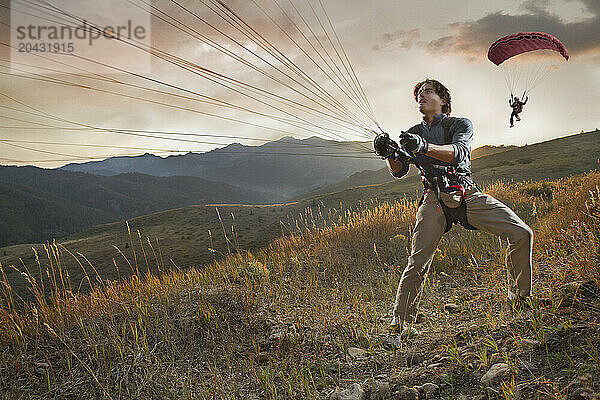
<point>98,34</point>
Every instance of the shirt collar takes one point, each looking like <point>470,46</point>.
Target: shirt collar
<point>437,118</point>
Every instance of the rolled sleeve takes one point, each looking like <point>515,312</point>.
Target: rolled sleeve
<point>462,139</point>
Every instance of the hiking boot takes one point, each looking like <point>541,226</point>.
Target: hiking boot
<point>397,335</point>
<point>403,332</point>
<point>409,332</point>
<point>511,125</point>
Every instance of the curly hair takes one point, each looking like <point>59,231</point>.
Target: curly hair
<point>441,91</point>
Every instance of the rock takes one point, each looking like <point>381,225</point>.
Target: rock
<point>531,342</point>
<point>582,394</point>
<point>413,359</point>
<point>406,393</point>
<point>356,353</point>
<point>353,392</point>
<point>451,308</point>
<point>263,357</point>
<point>435,365</point>
<point>284,332</point>
<point>431,390</point>
<point>495,374</point>
<point>379,390</point>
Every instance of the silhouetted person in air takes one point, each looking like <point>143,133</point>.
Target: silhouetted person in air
<point>517,107</point>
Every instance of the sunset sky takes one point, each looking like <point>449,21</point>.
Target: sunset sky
<point>391,45</point>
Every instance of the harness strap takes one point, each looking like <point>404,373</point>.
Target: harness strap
<point>453,215</point>
<point>446,124</point>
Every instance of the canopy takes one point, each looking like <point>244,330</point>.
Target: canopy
<point>512,45</point>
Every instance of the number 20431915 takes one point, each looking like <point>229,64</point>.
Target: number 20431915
<point>46,47</point>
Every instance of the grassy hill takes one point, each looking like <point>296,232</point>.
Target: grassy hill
<point>382,175</point>
<point>183,236</point>
<point>40,210</point>
<point>172,239</point>
<point>308,316</point>
<point>547,160</point>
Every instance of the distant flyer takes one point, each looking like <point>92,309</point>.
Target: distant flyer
<point>80,37</point>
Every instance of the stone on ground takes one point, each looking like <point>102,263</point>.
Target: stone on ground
<point>495,374</point>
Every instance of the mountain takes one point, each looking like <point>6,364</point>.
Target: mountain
<point>284,168</point>
<point>37,204</point>
<point>31,216</point>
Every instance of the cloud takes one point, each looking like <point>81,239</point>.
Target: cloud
<point>535,6</point>
<point>472,39</point>
<point>403,39</point>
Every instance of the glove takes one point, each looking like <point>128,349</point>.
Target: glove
<point>413,143</point>
<point>384,146</point>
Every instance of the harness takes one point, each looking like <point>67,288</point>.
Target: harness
<point>445,179</point>
<point>518,107</point>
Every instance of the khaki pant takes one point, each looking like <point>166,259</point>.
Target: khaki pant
<point>486,214</point>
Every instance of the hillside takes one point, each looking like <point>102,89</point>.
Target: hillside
<point>96,199</point>
<point>552,159</point>
<point>307,317</point>
<point>183,232</point>
<point>281,169</point>
<point>547,160</point>
<point>32,216</point>
<point>489,150</point>
<point>383,175</point>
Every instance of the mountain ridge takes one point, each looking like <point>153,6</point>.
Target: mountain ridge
<point>285,168</point>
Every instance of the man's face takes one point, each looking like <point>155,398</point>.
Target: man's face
<point>429,101</point>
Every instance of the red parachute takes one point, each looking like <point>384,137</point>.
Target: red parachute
<point>526,58</point>
<point>512,45</point>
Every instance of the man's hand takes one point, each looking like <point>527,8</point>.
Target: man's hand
<point>384,146</point>
<point>413,143</point>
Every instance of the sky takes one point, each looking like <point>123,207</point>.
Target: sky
<point>391,45</point>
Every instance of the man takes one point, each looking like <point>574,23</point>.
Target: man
<point>517,107</point>
<point>442,145</point>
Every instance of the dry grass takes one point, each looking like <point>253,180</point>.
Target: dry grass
<point>276,323</point>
